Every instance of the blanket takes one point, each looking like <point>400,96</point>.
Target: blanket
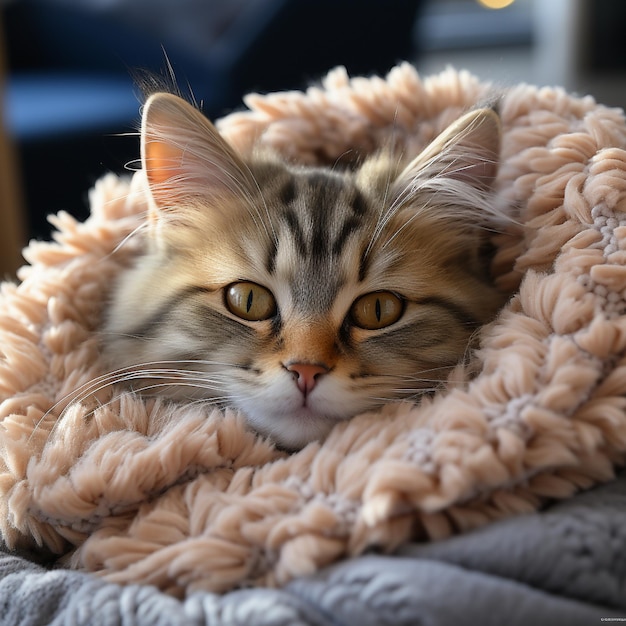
<point>183,498</point>
<point>561,566</point>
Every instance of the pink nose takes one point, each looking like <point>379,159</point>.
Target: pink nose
<point>306,375</point>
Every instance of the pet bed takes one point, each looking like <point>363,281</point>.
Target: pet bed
<point>163,507</point>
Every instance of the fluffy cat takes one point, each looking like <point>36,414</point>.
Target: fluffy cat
<point>303,296</point>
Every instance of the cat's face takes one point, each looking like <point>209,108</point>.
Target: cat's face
<point>303,296</point>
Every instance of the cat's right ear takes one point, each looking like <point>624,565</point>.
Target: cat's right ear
<point>467,151</point>
<point>453,176</point>
<point>186,161</point>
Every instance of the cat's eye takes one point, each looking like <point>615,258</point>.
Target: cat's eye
<point>377,310</point>
<point>250,301</point>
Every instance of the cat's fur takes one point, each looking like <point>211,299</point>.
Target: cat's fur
<point>296,249</point>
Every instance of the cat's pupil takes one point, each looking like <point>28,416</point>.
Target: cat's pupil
<point>249,302</point>
<point>378,309</point>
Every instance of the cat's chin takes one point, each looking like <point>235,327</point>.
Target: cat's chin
<point>281,414</point>
<point>294,430</point>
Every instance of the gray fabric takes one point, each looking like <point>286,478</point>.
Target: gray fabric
<point>566,565</point>
<point>576,549</point>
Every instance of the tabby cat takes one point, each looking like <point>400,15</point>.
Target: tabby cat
<point>303,296</point>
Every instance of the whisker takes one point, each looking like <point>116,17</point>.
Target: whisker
<point>134,165</point>
<point>147,370</point>
<point>403,397</point>
<point>214,400</point>
<point>273,235</point>
<point>126,239</point>
<point>385,214</point>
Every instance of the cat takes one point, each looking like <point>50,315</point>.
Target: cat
<point>300,295</point>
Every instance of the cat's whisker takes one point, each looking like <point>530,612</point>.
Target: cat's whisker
<point>336,162</point>
<point>134,165</point>
<point>78,394</point>
<point>420,387</point>
<point>269,226</point>
<point>443,369</point>
<point>217,401</point>
<point>420,383</point>
<point>123,242</point>
<point>127,374</point>
<point>403,396</point>
<point>190,383</point>
<point>385,214</point>
<point>384,217</point>
<point>194,383</point>
<point>415,215</point>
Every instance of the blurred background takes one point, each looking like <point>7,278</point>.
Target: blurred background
<point>69,105</point>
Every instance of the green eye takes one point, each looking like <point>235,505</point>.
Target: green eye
<point>250,301</point>
<point>377,310</point>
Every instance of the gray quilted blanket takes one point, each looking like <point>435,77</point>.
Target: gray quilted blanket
<point>565,565</point>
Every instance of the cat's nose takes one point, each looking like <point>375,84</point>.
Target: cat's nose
<point>306,375</point>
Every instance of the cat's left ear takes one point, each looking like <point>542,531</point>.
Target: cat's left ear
<point>185,158</point>
<point>467,151</point>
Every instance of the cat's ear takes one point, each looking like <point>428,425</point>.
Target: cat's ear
<point>463,158</point>
<point>185,158</point>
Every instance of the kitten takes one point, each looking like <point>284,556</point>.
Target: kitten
<point>303,296</point>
